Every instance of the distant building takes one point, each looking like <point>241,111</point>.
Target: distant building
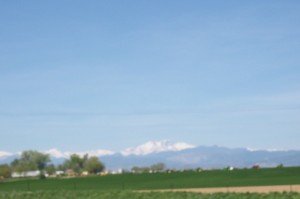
<point>25,174</point>
<point>103,173</point>
<point>84,173</point>
<point>70,173</point>
<point>256,166</point>
<point>59,173</point>
<point>114,172</point>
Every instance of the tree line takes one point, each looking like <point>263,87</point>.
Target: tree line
<point>159,167</point>
<point>33,160</point>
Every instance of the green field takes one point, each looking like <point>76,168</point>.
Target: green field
<point>134,195</point>
<point>215,178</point>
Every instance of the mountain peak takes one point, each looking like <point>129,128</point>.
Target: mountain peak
<point>156,147</point>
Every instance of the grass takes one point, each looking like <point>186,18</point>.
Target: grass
<point>135,195</point>
<point>216,178</point>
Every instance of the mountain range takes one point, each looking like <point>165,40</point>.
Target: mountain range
<point>179,156</point>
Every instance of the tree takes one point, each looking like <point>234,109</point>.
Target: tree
<point>93,165</point>
<point>280,166</point>
<point>30,160</point>
<point>158,167</point>
<point>76,163</point>
<point>61,167</point>
<point>153,168</point>
<point>136,169</point>
<point>5,171</point>
<point>50,169</point>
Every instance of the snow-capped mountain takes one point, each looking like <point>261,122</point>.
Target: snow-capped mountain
<point>144,149</point>
<point>141,150</point>
<point>4,154</point>
<point>156,147</point>
<point>206,157</point>
<point>178,155</point>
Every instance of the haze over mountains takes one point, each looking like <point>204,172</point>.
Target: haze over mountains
<point>180,156</point>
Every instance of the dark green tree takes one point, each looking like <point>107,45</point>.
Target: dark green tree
<point>30,160</point>
<point>76,163</point>
<point>50,169</point>
<point>5,171</point>
<point>93,165</point>
<point>158,167</point>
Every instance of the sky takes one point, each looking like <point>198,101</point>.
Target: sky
<point>87,75</point>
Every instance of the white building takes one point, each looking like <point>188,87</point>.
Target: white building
<point>26,174</point>
<point>58,173</point>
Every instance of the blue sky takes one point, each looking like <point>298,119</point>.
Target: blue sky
<point>82,75</point>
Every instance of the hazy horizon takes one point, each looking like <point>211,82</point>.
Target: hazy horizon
<point>147,148</point>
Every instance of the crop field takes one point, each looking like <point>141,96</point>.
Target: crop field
<point>135,195</point>
<point>128,186</point>
<point>192,179</point>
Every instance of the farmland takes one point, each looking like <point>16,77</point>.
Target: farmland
<point>156,181</point>
<point>135,195</point>
<point>125,186</point>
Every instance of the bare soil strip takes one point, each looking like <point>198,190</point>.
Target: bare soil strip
<point>254,189</point>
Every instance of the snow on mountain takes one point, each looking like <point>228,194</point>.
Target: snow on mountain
<point>56,153</point>
<point>269,150</point>
<point>144,149</point>
<point>177,155</point>
<point>4,154</point>
<point>156,147</point>
<point>59,154</point>
<point>98,153</point>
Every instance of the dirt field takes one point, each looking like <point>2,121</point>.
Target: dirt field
<point>257,189</point>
